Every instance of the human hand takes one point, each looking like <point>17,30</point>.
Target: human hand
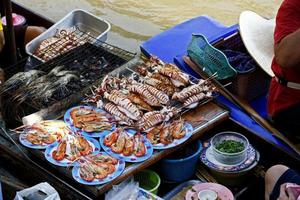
<point>286,193</point>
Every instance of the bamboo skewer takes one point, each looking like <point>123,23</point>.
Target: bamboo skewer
<point>250,111</point>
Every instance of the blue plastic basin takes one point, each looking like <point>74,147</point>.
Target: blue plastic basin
<point>181,169</point>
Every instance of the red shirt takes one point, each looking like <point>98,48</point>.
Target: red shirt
<point>281,97</point>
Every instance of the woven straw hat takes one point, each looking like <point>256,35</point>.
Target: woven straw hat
<point>258,36</point>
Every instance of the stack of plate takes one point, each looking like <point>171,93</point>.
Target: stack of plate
<point>228,173</point>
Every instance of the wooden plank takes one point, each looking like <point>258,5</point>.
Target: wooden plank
<point>202,118</point>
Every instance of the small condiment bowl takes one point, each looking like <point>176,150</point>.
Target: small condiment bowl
<point>207,195</point>
<point>229,158</point>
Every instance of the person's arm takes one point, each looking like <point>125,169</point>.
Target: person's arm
<point>286,194</point>
<point>287,51</point>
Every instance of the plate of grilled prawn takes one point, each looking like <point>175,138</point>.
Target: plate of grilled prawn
<point>42,134</point>
<point>97,169</point>
<point>127,146</point>
<point>89,121</point>
<point>169,134</point>
<point>70,148</point>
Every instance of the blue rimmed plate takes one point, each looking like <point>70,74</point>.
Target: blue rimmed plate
<point>26,143</point>
<point>132,158</point>
<point>189,132</point>
<point>65,162</point>
<point>23,140</point>
<point>69,122</point>
<point>119,169</point>
<point>207,158</point>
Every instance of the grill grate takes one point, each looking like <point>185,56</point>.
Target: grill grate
<point>89,61</point>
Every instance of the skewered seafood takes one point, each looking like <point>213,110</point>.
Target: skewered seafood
<point>90,120</point>
<point>72,147</point>
<point>109,83</point>
<point>193,101</point>
<point>190,91</point>
<point>136,99</point>
<point>161,96</point>
<point>62,41</point>
<point>97,167</point>
<point>147,96</point>
<point>150,119</point>
<point>123,105</point>
<point>121,142</point>
<point>178,78</point>
<point>114,110</point>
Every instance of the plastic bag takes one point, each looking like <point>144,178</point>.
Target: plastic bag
<point>129,190</point>
<point>42,191</point>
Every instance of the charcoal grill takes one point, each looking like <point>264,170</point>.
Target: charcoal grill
<point>91,60</point>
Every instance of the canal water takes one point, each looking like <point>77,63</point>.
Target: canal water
<point>134,21</point>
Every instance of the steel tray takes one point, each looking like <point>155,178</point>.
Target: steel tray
<point>86,22</point>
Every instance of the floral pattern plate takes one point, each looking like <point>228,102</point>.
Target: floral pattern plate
<point>119,169</point>
<point>69,122</point>
<point>208,159</point>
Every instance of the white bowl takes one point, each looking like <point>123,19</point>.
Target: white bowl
<point>229,158</point>
<point>207,195</point>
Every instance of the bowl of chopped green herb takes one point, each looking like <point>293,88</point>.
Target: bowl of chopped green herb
<point>230,148</point>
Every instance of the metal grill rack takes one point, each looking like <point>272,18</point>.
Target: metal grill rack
<point>78,38</point>
<point>90,61</point>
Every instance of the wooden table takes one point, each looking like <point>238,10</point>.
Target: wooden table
<point>202,119</point>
